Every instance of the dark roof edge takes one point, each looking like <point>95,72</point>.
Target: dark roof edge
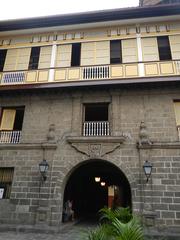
<point>91,17</point>
<point>94,83</point>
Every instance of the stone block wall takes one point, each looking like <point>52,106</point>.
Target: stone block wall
<point>31,202</point>
<point>149,2</point>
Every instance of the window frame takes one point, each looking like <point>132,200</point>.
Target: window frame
<point>164,49</point>
<point>15,118</point>
<point>33,65</point>
<point>119,59</point>
<point>95,104</point>
<point>6,185</point>
<point>76,47</point>
<point>2,58</point>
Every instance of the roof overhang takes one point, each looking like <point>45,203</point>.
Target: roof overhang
<point>91,19</point>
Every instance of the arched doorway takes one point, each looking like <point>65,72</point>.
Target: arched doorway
<point>94,185</point>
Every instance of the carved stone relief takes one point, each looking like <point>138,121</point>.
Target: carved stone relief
<point>97,147</point>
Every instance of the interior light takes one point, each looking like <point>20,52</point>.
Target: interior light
<point>97,179</point>
<point>103,184</point>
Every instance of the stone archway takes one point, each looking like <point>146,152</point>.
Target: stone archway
<point>89,196</point>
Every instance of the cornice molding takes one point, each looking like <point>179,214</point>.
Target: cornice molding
<point>159,145</point>
<point>26,146</point>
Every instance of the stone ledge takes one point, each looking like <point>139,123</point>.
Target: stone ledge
<point>24,146</point>
<point>160,145</point>
<point>28,228</point>
<point>92,139</point>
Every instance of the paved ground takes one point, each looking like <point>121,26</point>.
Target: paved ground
<point>68,232</point>
<point>76,232</point>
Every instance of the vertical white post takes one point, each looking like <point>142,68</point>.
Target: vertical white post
<point>140,56</point>
<point>52,63</point>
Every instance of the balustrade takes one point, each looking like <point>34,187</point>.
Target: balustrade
<point>10,136</point>
<point>96,72</point>
<point>13,77</point>
<point>96,128</point>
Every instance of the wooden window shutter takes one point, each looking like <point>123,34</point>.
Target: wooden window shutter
<point>8,117</point>
<point>102,52</point>
<point>63,58</point>
<point>45,57</point>
<point>23,58</point>
<point>88,54</point>
<point>177,112</point>
<point>6,179</point>
<point>129,50</point>
<point>150,49</point>
<point>175,46</point>
<point>11,59</point>
<point>7,175</point>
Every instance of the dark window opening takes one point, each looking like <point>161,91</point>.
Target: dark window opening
<point>18,122</point>
<point>164,48</point>
<point>96,112</point>
<point>2,58</point>
<point>6,178</point>
<point>34,58</point>
<point>115,51</point>
<point>76,54</point>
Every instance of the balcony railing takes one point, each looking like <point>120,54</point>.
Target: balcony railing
<point>177,64</point>
<point>13,77</point>
<point>96,128</point>
<point>96,72</point>
<point>10,136</point>
<point>99,72</point>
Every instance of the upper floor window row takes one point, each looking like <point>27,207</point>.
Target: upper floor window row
<point>39,57</point>
<point>91,53</point>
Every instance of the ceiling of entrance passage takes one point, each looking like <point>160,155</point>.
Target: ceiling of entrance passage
<point>14,9</point>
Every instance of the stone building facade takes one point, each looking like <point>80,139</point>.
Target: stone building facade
<point>156,2</point>
<point>96,118</point>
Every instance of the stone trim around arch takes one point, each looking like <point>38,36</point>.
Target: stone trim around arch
<point>121,167</point>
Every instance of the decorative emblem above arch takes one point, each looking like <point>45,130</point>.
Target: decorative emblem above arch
<point>95,147</point>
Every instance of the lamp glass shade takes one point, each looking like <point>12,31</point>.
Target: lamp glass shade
<point>97,179</point>
<point>147,168</point>
<point>43,166</point>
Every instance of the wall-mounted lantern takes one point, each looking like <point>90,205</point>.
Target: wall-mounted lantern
<point>43,168</point>
<point>147,169</point>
